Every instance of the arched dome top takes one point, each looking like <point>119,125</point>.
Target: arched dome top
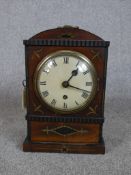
<point>66,32</point>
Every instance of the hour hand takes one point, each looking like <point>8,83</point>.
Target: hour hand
<point>73,73</point>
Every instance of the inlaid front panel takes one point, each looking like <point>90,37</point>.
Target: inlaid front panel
<point>52,132</point>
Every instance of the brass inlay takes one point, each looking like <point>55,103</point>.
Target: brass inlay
<point>92,110</point>
<point>54,130</point>
<point>36,53</point>
<point>66,35</point>
<point>38,108</point>
<point>82,131</point>
<point>96,54</point>
<point>46,130</point>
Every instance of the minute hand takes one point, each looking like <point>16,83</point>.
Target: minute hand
<point>78,88</point>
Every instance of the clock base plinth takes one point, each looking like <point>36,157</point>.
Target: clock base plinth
<point>97,148</point>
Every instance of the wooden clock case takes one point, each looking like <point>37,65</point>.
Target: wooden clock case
<point>80,132</point>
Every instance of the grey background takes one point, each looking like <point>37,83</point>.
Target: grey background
<point>111,20</point>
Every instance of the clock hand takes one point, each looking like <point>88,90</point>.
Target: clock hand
<point>78,88</point>
<point>65,84</point>
<point>74,73</point>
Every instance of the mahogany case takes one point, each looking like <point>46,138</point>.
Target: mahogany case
<point>48,131</point>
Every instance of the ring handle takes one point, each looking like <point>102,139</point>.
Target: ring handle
<point>24,83</point>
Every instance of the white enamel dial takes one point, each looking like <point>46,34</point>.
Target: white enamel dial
<point>65,81</point>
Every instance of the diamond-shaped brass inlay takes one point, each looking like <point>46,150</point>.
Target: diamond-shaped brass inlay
<point>64,130</point>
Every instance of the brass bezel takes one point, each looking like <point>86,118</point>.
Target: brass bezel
<point>70,53</point>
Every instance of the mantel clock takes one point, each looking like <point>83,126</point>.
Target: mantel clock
<point>65,91</point>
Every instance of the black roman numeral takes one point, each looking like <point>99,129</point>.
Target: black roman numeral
<point>76,103</point>
<point>66,60</point>
<point>88,83</point>
<point>84,95</point>
<point>53,102</point>
<point>45,93</point>
<point>54,63</point>
<point>87,71</point>
<point>46,71</point>
<point>65,105</point>
<point>43,83</point>
<point>77,63</point>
